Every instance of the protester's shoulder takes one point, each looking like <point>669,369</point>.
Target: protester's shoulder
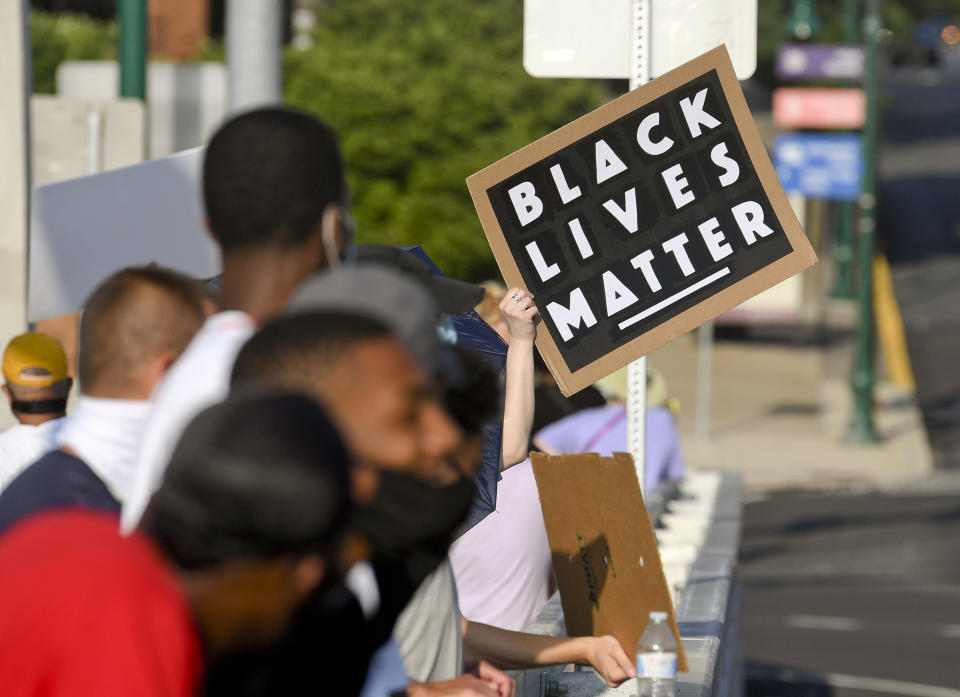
<point>209,356</point>
<point>86,542</point>
<point>17,434</point>
<point>571,424</point>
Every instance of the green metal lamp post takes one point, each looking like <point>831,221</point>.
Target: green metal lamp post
<point>132,16</point>
<point>861,429</point>
<point>843,250</point>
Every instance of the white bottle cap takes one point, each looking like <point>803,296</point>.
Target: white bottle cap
<point>658,616</point>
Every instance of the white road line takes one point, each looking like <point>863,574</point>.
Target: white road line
<point>950,631</point>
<point>853,682</point>
<point>824,622</point>
<point>675,298</point>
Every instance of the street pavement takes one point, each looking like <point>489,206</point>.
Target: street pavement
<point>853,594</point>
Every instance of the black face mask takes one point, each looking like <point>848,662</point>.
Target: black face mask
<point>412,521</point>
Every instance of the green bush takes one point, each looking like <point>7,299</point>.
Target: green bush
<point>423,93</point>
<point>55,38</point>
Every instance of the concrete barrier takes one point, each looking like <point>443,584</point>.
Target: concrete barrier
<point>698,526</point>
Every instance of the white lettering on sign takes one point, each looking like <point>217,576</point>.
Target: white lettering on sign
<point>713,237</point>
<point>608,164</point>
<point>628,214</point>
<point>643,261</point>
<point>675,245</point>
<point>749,217</point>
<point>545,271</point>
<point>731,170</point>
<point>676,182</point>
<point>643,136</point>
<point>525,202</point>
<point>617,295</point>
<point>567,194</point>
<point>583,244</point>
<point>577,313</point>
<point>694,114</point>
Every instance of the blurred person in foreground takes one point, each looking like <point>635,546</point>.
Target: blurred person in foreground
<point>135,325</point>
<point>603,430</point>
<point>240,532</point>
<point>275,200</point>
<point>410,501</point>
<point>37,386</point>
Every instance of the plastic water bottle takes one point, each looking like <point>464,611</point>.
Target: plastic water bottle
<point>657,659</point>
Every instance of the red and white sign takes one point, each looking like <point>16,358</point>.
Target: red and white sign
<point>806,107</point>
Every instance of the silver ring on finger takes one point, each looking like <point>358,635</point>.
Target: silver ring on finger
<point>517,298</point>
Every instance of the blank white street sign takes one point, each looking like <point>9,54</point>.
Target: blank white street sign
<point>592,38</point>
<point>576,38</point>
<point>683,29</point>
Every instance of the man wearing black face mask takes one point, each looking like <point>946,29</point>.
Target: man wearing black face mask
<point>410,497</point>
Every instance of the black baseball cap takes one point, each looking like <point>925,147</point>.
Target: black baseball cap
<point>262,474</point>
<point>452,296</point>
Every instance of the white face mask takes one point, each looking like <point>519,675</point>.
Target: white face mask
<point>106,435</point>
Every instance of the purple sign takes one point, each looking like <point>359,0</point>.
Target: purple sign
<point>820,61</point>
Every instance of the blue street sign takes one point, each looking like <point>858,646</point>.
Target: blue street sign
<point>820,165</point>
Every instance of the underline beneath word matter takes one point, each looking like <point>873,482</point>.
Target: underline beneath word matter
<point>675,298</point>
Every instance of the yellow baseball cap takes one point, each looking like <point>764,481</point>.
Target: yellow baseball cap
<point>34,360</point>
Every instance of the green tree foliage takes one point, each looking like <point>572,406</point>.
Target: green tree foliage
<point>55,38</point>
<point>423,93</point>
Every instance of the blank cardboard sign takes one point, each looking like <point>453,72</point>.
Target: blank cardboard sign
<point>84,229</point>
<point>604,550</point>
<point>641,220</point>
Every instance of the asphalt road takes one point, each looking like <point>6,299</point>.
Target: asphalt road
<point>852,595</point>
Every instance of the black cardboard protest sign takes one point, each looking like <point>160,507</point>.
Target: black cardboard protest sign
<point>641,220</point>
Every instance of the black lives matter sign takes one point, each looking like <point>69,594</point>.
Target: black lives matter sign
<point>641,220</point>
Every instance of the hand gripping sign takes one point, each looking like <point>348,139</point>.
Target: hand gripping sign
<point>641,220</point>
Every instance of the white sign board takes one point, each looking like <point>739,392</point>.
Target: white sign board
<point>84,229</point>
<point>683,29</point>
<point>573,38</point>
<point>581,38</point>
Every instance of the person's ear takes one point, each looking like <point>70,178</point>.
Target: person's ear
<point>6,391</point>
<point>69,385</point>
<point>308,573</point>
<point>332,234</point>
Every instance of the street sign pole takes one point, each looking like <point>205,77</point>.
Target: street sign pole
<point>861,429</point>
<point>843,252</point>
<point>132,16</point>
<point>637,370</point>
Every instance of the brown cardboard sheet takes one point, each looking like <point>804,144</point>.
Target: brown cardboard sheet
<point>605,553</point>
<point>801,257</point>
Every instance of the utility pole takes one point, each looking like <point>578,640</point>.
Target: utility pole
<point>254,53</point>
<point>637,370</point>
<point>861,428</point>
<point>132,16</point>
<point>843,252</point>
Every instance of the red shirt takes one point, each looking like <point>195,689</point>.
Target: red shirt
<point>87,612</point>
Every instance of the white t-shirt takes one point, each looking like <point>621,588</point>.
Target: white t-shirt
<point>502,564</point>
<point>22,445</point>
<point>428,630</point>
<point>199,378</point>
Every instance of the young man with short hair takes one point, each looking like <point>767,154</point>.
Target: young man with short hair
<point>275,200</point>
<point>135,325</point>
